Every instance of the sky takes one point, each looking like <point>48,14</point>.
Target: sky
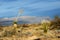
<point>10,8</point>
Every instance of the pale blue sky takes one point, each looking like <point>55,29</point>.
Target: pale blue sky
<point>10,8</point>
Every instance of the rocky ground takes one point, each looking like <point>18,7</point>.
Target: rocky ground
<point>33,32</point>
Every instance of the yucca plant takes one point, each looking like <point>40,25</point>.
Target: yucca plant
<point>45,27</point>
<point>14,22</point>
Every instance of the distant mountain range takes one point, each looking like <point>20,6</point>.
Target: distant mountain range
<point>22,20</point>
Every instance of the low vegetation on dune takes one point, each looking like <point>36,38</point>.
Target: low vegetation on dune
<point>46,28</point>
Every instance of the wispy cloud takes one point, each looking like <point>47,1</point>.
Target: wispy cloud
<point>30,19</point>
<point>9,8</point>
<point>7,0</point>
